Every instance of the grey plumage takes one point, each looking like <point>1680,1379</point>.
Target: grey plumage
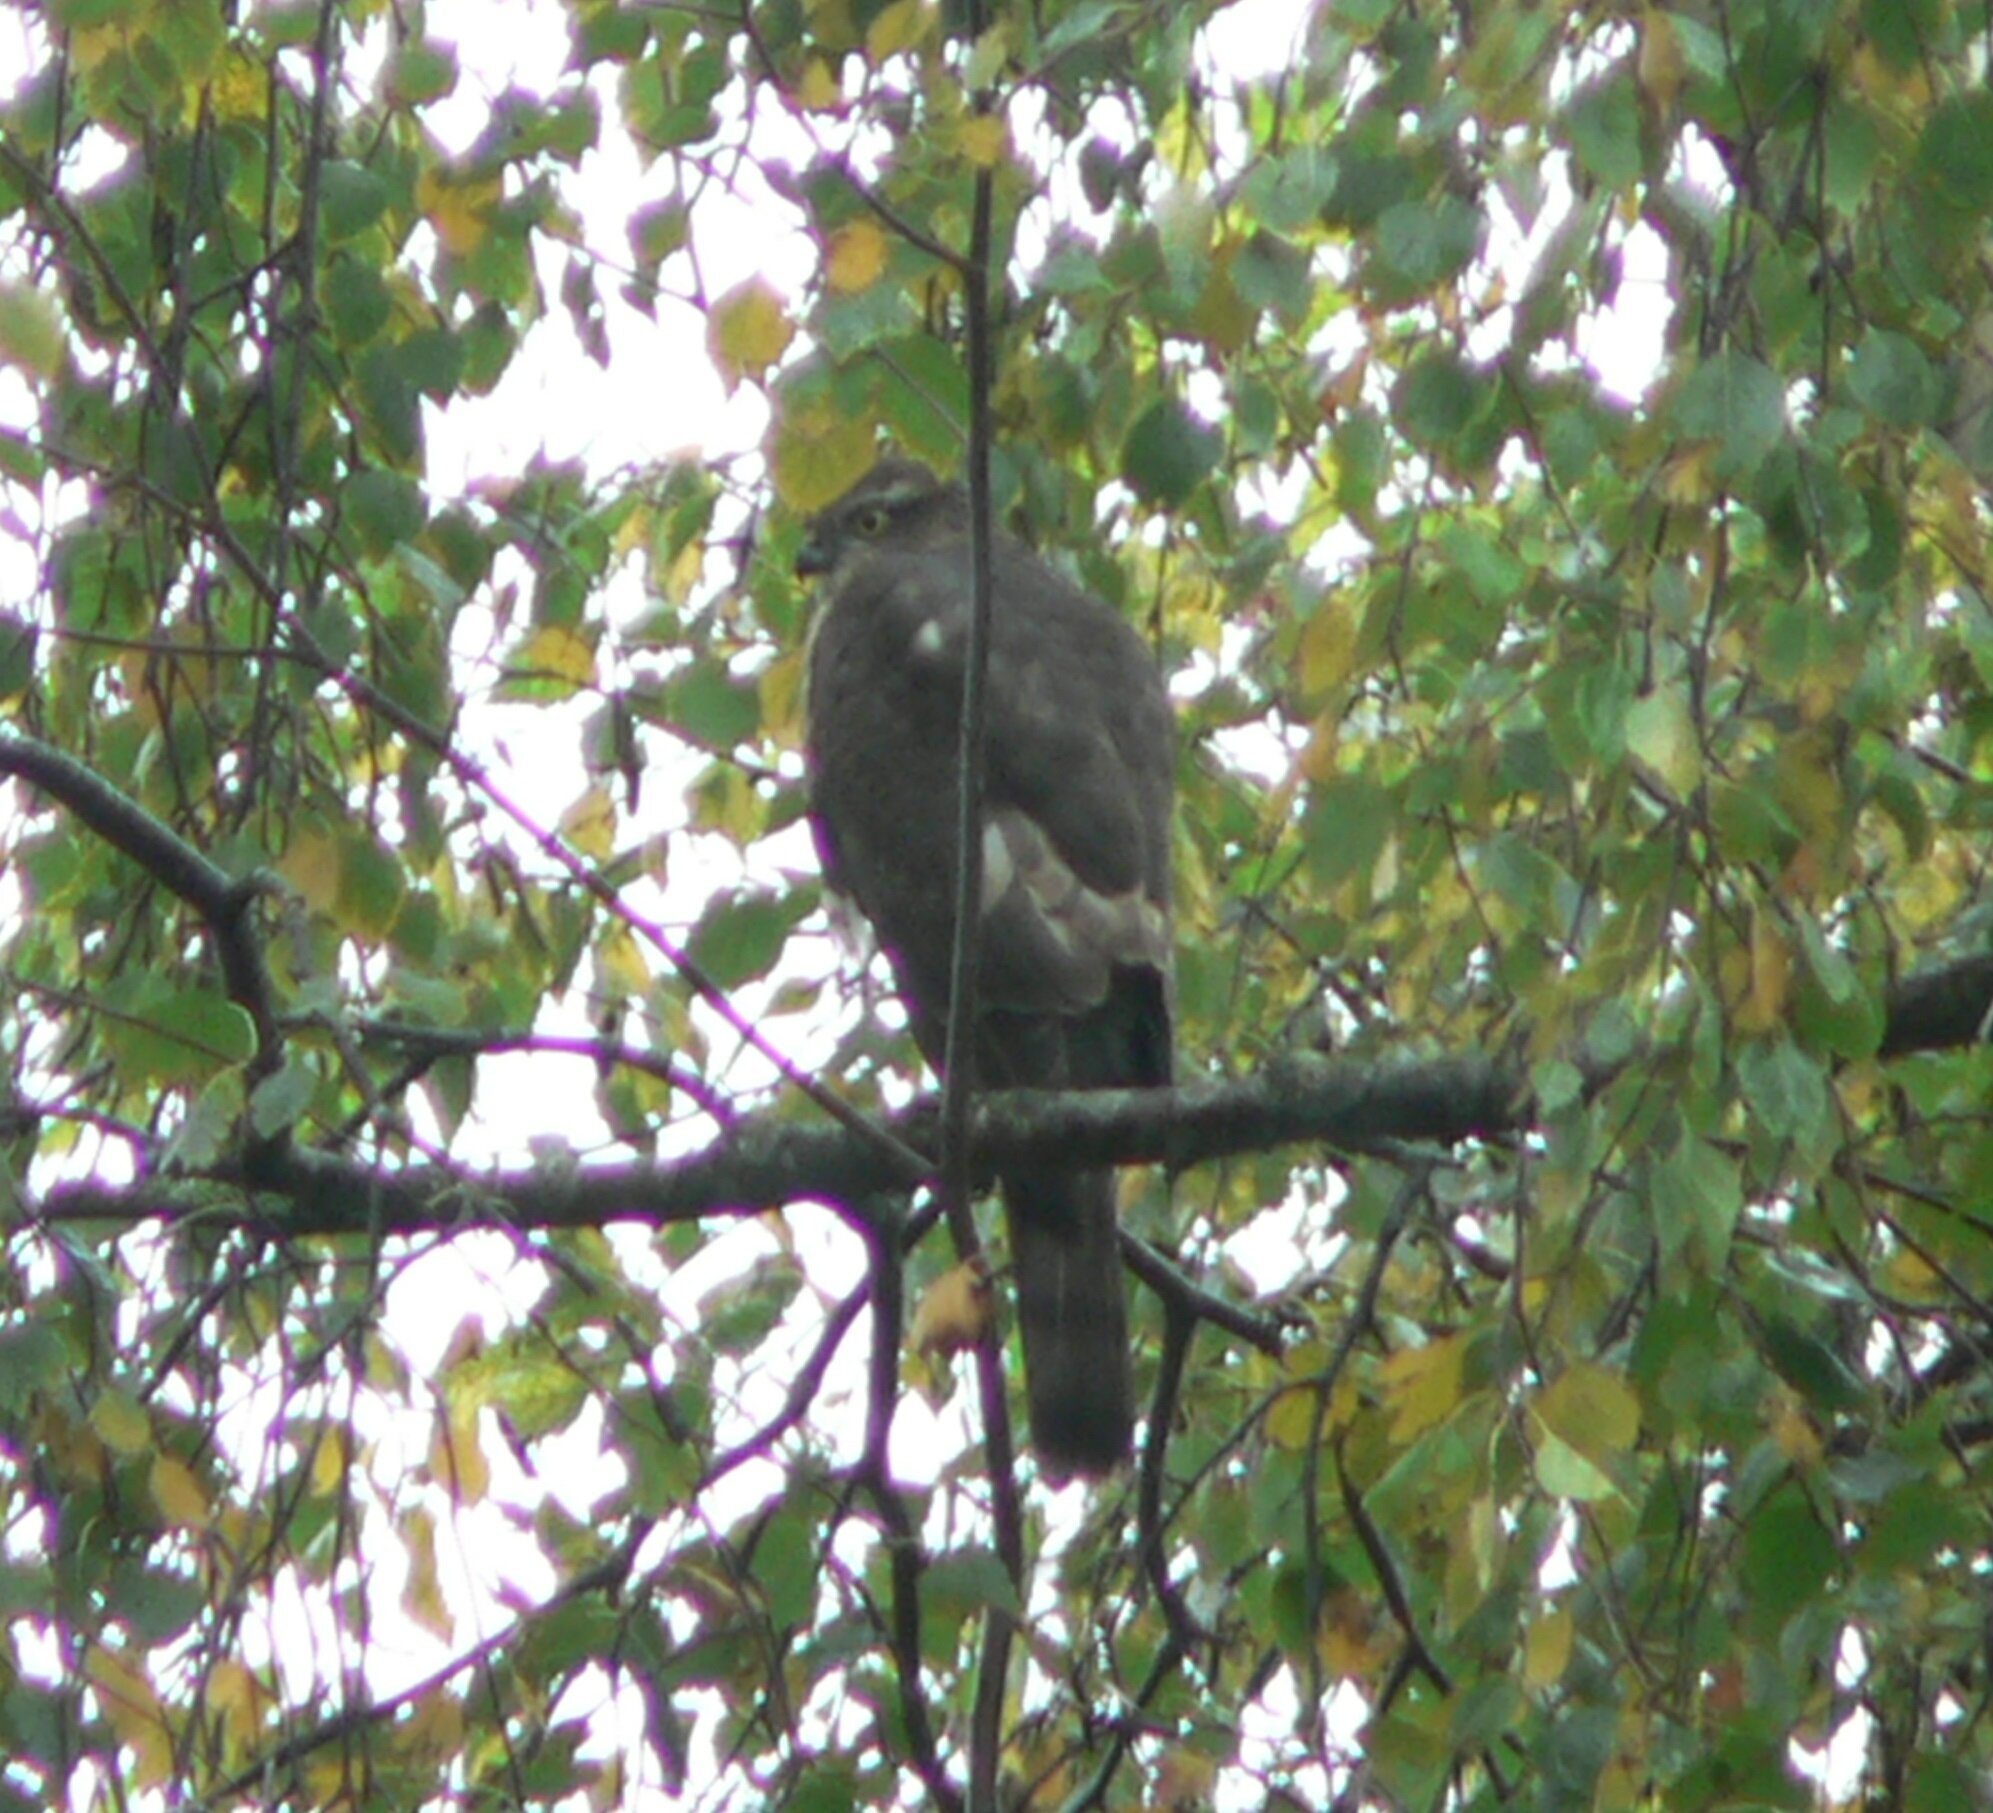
<point>1074,973</point>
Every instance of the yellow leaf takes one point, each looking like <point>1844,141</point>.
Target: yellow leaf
<point>236,1694</point>
<point>1686,479</point>
<point>1928,895</point>
<point>556,652</point>
<point>1660,733</point>
<point>781,690</point>
<point>1317,760</point>
<point>1770,973</point>
<point>988,56</point>
<point>984,139</point>
<point>328,1463</point>
<point>954,1312</point>
<point>1422,1385</point>
<point>456,1456</point>
<point>436,1729</point>
<point>121,1420</point>
<point>310,863</point>
<point>1291,1419</point>
<point>1591,1408</point>
<point>818,451</point>
<point>1662,63</point>
<point>1792,1429</point>
<point>1328,648</point>
<point>1184,1780</point>
<point>178,1493</point>
<point>675,580</point>
<point>589,824</point>
<point>242,90</point>
<point>90,47</point>
<point>1808,781</point>
<point>1565,1473</point>
<point>1348,1640</point>
<point>1911,1275</point>
<point>819,91</point>
<point>459,208</point>
<point>422,1594</point>
<point>900,27</point>
<point>1902,90</point>
<point>30,331</point>
<point>857,257</point>
<point>635,530</point>
<point>131,1704</point>
<point>1547,1650</point>
<point>620,969</point>
<point>1221,317</point>
<point>747,331</point>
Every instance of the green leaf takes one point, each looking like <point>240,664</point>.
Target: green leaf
<point>162,1032</point>
<point>1811,1367</point>
<point>1438,398</point>
<point>1891,379</point>
<point>1428,242</point>
<point>1956,152</point>
<point>1788,1558</point>
<point>1273,274</point>
<point>739,936</point>
<point>390,404</point>
<point>356,299</point>
<point>1344,825</point>
<point>1603,125</point>
<point>353,198</point>
<point>422,71</point>
<point>1737,402</point>
<point>785,1563</point>
<point>280,1101</point>
<point>707,706</point>
<point>1169,453</point>
<point>968,1581</point>
<point>1494,574</point>
<point>1787,1093</point>
<point>371,885</point>
<point>1288,192</point>
<point>32,1359</point>
<point>18,641</point>
<point>384,508</point>
<point>1698,1194</point>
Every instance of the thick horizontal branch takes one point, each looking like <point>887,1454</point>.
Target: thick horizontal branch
<point>765,1162</point>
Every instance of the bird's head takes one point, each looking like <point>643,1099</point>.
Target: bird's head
<point>898,503</point>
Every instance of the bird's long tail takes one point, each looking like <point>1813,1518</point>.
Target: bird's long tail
<point>1072,1311</point>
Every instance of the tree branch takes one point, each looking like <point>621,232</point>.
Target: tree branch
<point>766,1161</point>
<point>171,861</point>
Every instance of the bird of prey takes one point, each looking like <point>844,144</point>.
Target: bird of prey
<point>1073,988</point>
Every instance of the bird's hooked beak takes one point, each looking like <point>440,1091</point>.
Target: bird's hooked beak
<point>812,558</point>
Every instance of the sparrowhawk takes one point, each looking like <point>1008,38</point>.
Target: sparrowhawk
<point>1074,965</point>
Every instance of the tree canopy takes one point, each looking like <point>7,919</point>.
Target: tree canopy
<point>491,1317</point>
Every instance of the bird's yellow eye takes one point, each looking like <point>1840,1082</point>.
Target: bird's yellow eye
<point>871,520</point>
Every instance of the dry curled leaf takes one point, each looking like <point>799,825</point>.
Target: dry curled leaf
<point>954,1314</point>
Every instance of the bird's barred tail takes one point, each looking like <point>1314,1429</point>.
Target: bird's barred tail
<point>1072,1311</point>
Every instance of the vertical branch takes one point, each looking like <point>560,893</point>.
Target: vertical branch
<point>902,1539</point>
<point>986,1742</point>
<point>959,1052</point>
